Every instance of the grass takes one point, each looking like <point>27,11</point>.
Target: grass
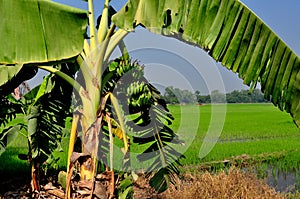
<point>10,163</point>
<point>242,120</point>
<point>251,129</point>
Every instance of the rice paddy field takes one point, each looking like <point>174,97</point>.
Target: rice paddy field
<point>252,129</point>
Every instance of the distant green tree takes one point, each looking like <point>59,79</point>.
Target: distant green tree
<point>242,96</point>
<point>245,96</point>
<point>175,96</point>
<point>258,96</point>
<point>170,96</point>
<point>202,99</point>
<point>187,97</point>
<point>217,97</point>
<point>233,97</point>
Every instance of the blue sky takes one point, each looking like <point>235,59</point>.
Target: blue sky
<point>164,57</point>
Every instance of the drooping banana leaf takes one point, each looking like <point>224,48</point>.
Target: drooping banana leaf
<point>8,135</point>
<point>12,76</point>
<point>38,32</point>
<point>232,34</point>
<point>47,113</point>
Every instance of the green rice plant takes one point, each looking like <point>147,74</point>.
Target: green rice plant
<point>265,130</point>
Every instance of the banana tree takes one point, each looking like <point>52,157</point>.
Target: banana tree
<point>228,30</point>
<point>91,92</point>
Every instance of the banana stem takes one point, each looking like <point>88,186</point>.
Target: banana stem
<point>72,141</point>
<point>103,23</point>
<point>115,39</point>
<point>111,152</point>
<point>92,26</point>
<point>64,76</point>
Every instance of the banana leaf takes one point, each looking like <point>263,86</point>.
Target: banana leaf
<point>232,34</point>
<point>38,32</point>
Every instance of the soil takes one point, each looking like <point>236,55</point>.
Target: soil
<point>231,184</point>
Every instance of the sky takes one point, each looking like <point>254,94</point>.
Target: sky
<point>172,63</point>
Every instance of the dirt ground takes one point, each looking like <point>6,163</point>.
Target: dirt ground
<point>232,184</point>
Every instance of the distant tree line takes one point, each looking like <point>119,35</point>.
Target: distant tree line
<point>177,96</point>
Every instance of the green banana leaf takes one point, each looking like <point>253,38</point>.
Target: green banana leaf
<point>7,73</point>
<point>47,107</point>
<point>38,32</point>
<point>9,134</point>
<point>232,34</point>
